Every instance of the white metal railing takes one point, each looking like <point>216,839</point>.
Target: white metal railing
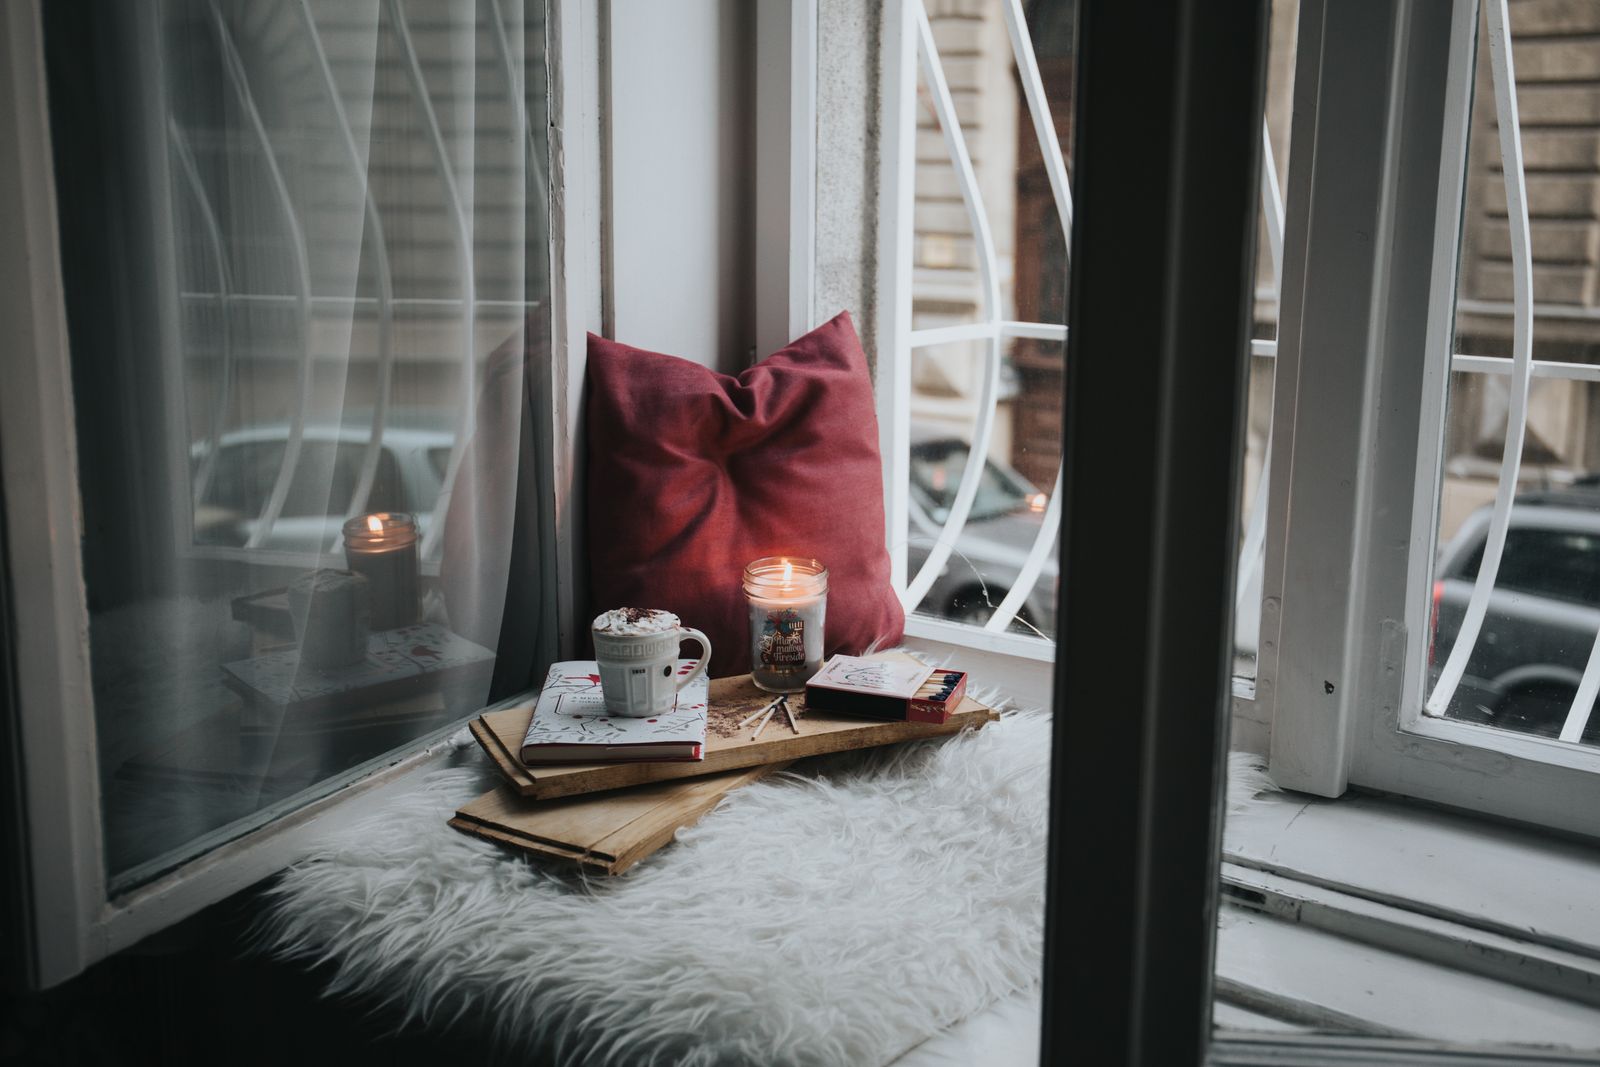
<point>240,83</point>
<point>380,244</point>
<point>989,271</point>
<point>342,304</point>
<point>219,256</point>
<point>1554,369</point>
<point>994,329</point>
<point>1505,97</point>
<point>537,181</point>
<point>1055,166</point>
<point>304,302</point>
<point>469,281</point>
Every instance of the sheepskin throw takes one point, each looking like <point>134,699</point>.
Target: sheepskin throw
<point>839,916</point>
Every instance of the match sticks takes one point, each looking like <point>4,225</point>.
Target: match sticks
<point>765,714</point>
<point>762,710</point>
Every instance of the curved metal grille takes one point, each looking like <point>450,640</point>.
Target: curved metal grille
<point>994,330</point>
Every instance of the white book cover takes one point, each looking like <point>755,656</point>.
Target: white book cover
<point>878,677</point>
<point>570,723</point>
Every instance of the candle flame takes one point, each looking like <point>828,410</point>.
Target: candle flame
<point>1038,501</point>
<point>788,572</point>
<point>375,524</point>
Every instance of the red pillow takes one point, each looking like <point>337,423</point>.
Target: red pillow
<point>693,474</point>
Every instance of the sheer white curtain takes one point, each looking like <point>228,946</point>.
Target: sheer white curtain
<point>334,254</point>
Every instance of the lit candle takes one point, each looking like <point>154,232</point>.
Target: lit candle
<point>788,601</point>
<point>383,549</point>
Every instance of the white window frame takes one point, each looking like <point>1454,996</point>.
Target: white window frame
<point>1364,350</point>
<point>72,918</point>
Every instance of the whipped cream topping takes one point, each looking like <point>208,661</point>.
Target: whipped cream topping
<point>635,621</point>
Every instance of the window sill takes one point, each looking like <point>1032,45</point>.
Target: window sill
<point>1004,643</point>
<point>281,840</point>
<point>1374,915</point>
<point>1308,974</point>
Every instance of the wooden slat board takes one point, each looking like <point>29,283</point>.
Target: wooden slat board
<point>727,748</point>
<point>602,834</point>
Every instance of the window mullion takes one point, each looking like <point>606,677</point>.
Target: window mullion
<point>1321,455</point>
<point>577,297</point>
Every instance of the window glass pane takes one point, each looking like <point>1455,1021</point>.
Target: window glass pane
<point>298,241</point>
<point>1005,518</point>
<point>955,334</point>
<point>1525,658</point>
<point>1560,564</point>
<point>936,467</point>
<point>1026,256</point>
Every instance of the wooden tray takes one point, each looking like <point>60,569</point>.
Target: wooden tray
<point>727,748</point>
<point>604,835</point>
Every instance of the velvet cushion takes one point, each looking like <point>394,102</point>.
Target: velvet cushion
<point>692,474</point>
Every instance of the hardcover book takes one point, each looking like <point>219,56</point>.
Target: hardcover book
<point>570,723</point>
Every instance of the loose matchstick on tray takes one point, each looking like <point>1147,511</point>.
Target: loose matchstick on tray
<point>771,710</point>
<point>762,710</point>
<point>762,725</point>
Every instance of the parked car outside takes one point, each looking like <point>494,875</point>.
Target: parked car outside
<point>1006,516</point>
<point>411,468</point>
<point>1543,614</point>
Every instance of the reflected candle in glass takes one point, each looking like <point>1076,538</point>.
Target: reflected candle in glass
<point>383,549</point>
<point>788,601</point>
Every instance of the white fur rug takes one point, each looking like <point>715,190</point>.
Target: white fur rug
<point>840,916</point>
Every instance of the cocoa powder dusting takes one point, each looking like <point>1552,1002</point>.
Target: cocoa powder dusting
<point>723,720</point>
<point>630,616</point>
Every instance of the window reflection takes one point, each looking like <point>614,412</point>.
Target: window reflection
<point>305,248</point>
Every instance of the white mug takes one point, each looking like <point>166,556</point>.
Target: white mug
<point>637,651</point>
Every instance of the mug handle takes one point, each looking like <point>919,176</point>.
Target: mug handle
<point>688,633</point>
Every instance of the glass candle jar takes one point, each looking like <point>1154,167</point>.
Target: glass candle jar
<point>788,601</point>
<point>382,548</point>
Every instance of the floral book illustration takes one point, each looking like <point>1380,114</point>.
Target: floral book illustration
<point>570,723</point>
<point>398,663</point>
